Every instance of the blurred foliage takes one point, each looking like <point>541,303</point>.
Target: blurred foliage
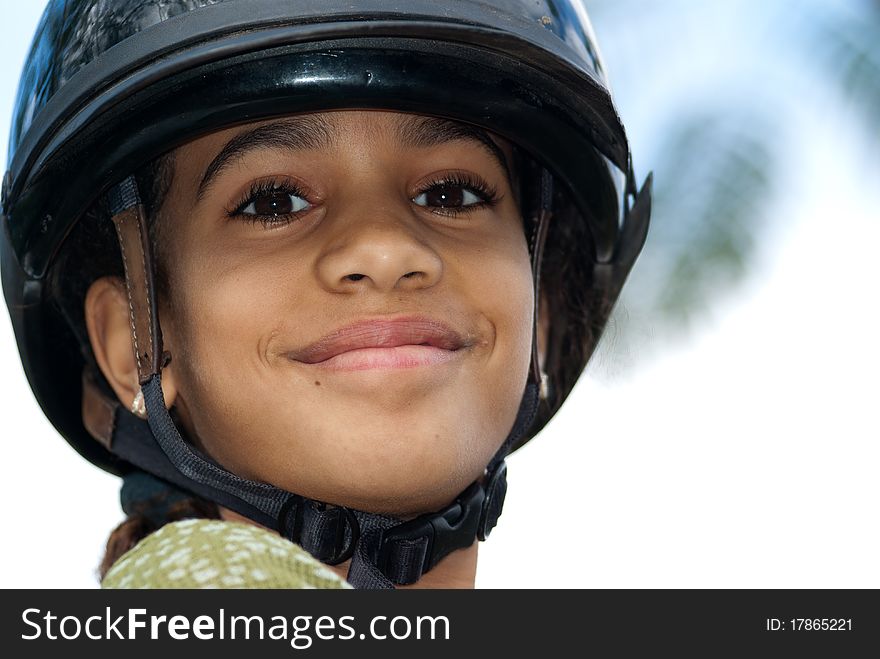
<point>714,175</point>
<point>849,51</point>
<point>719,158</point>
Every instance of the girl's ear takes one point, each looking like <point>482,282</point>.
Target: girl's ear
<point>109,326</point>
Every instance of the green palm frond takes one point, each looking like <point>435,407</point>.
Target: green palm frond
<point>709,210</point>
<point>713,188</point>
<point>847,45</point>
<point>718,167</point>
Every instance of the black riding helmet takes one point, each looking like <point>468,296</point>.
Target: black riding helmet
<point>110,85</point>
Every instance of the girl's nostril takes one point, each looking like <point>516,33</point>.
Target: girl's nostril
<point>355,277</point>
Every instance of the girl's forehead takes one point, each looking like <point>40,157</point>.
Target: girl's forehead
<point>321,129</point>
<point>333,130</point>
<point>327,130</point>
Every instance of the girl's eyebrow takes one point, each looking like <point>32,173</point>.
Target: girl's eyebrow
<point>416,131</point>
<point>298,133</point>
<point>314,131</point>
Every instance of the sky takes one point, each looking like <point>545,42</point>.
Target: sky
<point>744,456</point>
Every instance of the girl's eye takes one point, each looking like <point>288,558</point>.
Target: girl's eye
<point>447,195</point>
<point>457,193</point>
<point>274,203</point>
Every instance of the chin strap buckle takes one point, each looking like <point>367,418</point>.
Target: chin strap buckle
<point>329,533</point>
<point>412,548</point>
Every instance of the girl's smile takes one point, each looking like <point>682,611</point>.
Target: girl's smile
<point>394,343</point>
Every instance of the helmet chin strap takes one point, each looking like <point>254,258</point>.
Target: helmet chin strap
<point>385,551</point>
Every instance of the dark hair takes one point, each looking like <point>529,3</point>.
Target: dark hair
<point>141,523</point>
<point>576,308</point>
<point>578,312</point>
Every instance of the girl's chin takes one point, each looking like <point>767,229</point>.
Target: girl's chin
<point>395,496</point>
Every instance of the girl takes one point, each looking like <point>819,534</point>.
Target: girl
<point>311,270</point>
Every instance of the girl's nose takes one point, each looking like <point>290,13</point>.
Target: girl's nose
<point>384,255</point>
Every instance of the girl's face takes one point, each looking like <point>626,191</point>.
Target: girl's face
<point>351,302</point>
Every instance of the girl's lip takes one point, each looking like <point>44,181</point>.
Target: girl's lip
<point>404,356</point>
<point>384,343</point>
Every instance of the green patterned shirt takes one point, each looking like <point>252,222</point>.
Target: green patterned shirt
<point>206,553</point>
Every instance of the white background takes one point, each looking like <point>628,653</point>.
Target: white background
<point>744,457</point>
